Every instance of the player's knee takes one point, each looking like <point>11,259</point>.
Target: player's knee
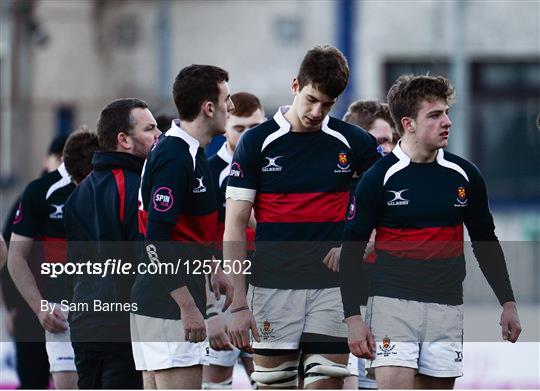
<point>284,375</point>
<point>317,367</point>
<point>224,385</point>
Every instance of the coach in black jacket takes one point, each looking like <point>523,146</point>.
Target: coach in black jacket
<point>101,224</point>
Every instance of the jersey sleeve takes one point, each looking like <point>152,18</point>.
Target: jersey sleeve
<point>170,181</point>
<point>362,217</point>
<point>366,151</point>
<point>28,216</point>
<point>486,246</point>
<point>245,171</point>
<point>364,206</point>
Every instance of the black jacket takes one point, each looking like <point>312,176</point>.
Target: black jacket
<point>101,223</point>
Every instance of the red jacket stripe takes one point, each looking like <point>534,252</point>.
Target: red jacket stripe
<point>121,186</point>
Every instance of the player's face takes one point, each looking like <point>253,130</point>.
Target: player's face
<point>144,133</point>
<point>311,106</point>
<point>236,126</point>
<point>382,131</point>
<point>432,124</point>
<point>223,108</point>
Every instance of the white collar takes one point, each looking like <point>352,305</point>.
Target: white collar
<point>225,154</point>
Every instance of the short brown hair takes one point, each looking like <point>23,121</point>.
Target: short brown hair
<point>245,104</point>
<point>326,68</point>
<point>409,91</point>
<point>194,85</point>
<point>115,118</point>
<point>363,113</point>
<point>78,151</point>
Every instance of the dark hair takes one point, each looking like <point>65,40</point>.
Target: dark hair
<point>325,67</point>
<point>57,145</point>
<point>193,86</point>
<point>163,122</point>
<point>363,113</point>
<point>245,104</point>
<point>115,118</point>
<point>78,152</point>
<point>409,91</point>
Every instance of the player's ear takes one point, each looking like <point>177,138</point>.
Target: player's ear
<point>408,124</point>
<point>295,86</point>
<point>122,141</point>
<point>208,108</point>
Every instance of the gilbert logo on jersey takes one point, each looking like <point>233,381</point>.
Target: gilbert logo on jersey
<point>200,188</point>
<point>272,166</point>
<point>58,213</point>
<point>398,198</point>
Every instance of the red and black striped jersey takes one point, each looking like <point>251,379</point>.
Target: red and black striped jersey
<point>177,204</point>
<point>299,183</point>
<point>418,210</point>
<point>40,216</point>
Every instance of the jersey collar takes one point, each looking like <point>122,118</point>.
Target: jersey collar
<point>225,154</point>
<point>192,142</point>
<point>63,172</point>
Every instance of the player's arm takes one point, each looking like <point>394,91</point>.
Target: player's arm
<point>19,252</point>
<point>237,213</point>
<point>362,217</point>
<point>490,256</point>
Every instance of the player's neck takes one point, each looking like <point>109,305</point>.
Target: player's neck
<point>294,120</point>
<point>417,152</point>
<point>198,130</point>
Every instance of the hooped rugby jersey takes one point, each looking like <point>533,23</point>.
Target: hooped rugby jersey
<point>220,165</point>
<point>418,210</point>
<point>40,216</point>
<point>299,183</point>
<point>176,191</point>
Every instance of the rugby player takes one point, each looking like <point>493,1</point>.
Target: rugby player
<point>376,119</point>
<point>295,171</point>
<point>101,212</point>
<point>38,232</point>
<point>32,362</point>
<point>247,114</point>
<point>418,197</point>
<point>177,204</point>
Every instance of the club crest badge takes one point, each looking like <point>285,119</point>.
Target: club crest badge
<point>343,164</point>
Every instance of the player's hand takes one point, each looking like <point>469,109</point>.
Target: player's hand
<point>217,333</point>
<point>360,338</point>
<point>511,328</point>
<point>55,322</point>
<point>222,285</point>
<point>370,248</point>
<point>239,326</point>
<point>193,322</point>
<point>332,259</point>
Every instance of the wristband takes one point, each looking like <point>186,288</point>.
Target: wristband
<point>239,309</point>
